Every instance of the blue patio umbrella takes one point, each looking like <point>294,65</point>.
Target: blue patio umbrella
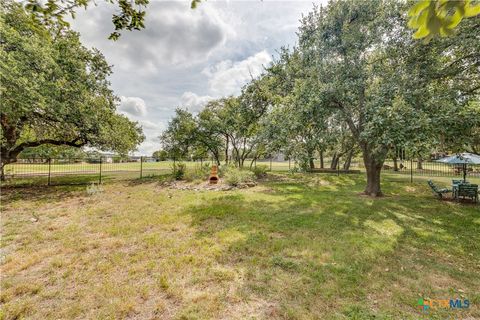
<point>462,158</point>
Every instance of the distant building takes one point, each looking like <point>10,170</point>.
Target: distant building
<point>107,157</point>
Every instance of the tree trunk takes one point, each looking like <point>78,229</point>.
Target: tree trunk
<point>311,163</point>
<point>374,168</point>
<point>395,164</point>
<point>226,149</point>
<point>216,157</point>
<point>334,163</point>
<point>253,161</point>
<point>2,174</point>
<point>348,160</point>
<point>4,162</point>
<point>321,159</point>
<point>420,164</point>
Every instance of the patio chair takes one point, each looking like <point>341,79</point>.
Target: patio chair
<point>455,184</point>
<point>469,191</point>
<point>439,192</point>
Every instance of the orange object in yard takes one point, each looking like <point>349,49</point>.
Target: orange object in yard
<point>213,179</point>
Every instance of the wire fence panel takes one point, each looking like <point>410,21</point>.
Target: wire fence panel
<point>91,170</point>
<point>88,170</point>
<point>431,169</point>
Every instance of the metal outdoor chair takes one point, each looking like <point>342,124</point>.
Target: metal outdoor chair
<point>469,191</point>
<point>439,192</point>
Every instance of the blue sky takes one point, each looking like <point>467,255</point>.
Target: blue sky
<point>185,57</point>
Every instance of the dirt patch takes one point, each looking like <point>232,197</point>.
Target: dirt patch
<point>205,186</point>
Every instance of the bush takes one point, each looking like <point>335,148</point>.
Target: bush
<point>295,170</point>
<point>222,169</point>
<point>235,177</point>
<point>94,189</point>
<point>260,171</point>
<point>205,170</point>
<point>179,171</point>
<point>201,173</point>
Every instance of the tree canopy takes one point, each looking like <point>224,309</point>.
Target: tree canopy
<point>130,14</point>
<point>356,82</point>
<point>55,91</point>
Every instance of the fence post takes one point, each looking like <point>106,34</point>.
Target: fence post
<point>141,167</point>
<point>49,169</point>
<point>100,171</point>
<point>411,170</point>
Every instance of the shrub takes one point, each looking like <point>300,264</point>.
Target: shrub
<point>204,171</point>
<point>236,177</point>
<point>222,169</point>
<point>94,189</point>
<point>201,173</point>
<point>179,171</point>
<point>295,170</point>
<point>260,171</point>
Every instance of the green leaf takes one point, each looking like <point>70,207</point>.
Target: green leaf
<point>419,7</point>
<point>472,11</point>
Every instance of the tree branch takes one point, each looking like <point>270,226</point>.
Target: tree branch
<point>74,143</point>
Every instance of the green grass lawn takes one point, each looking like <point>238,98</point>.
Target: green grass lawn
<point>293,247</point>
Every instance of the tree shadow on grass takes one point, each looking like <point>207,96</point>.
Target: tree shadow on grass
<point>40,193</point>
<point>323,240</point>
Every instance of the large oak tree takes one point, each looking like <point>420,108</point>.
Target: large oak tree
<point>382,83</point>
<point>55,91</point>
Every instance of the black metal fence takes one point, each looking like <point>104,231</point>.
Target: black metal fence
<point>430,168</point>
<point>56,171</point>
<point>82,170</point>
<point>86,170</point>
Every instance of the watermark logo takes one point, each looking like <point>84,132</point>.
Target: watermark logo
<point>431,304</point>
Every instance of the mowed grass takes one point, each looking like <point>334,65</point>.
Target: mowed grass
<point>293,247</point>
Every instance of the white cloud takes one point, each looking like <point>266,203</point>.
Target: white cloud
<point>150,125</point>
<point>134,106</point>
<point>150,145</point>
<point>173,34</point>
<point>228,77</point>
<point>160,67</point>
<point>193,102</point>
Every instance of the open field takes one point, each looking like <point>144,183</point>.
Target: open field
<point>293,247</point>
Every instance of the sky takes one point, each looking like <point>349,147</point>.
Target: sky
<point>184,58</point>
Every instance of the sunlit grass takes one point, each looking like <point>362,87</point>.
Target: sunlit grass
<point>293,247</point>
